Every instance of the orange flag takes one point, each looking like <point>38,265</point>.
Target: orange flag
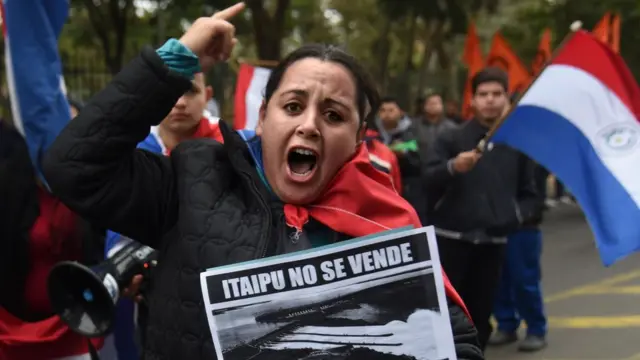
<point>602,29</point>
<point>615,33</point>
<point>501,55</point>
<point>607,30</point>
<point>544,53</point>
<point>474,60</point>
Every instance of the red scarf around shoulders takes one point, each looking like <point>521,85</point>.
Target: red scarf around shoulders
<point>361,201</point>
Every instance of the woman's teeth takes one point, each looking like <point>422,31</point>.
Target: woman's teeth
<point>304,152</point>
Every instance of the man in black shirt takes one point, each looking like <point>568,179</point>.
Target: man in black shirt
<point>478,198</point>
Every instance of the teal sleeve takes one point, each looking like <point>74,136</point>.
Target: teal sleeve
<point>179,58</point>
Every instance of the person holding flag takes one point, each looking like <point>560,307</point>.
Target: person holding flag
<point>299,182</point>
<point>36,229</point>
<point>479,198</point>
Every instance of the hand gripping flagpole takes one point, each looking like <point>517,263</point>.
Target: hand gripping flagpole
<point>575,27</point>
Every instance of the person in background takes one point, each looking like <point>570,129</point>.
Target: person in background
<point>418,107</point>
<point>479,198</point>
<point>452,111</point>
<point>432,123</point>
<point>188,119</point>
<point>395,130</point>
<point>36,232</point>
<point>519,293</point>
<point>302,180</point>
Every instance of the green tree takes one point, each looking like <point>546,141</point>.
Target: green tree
<point>403,36</point>
<point>110,21</point>
<point>268,22</point>
<point>525,31</point>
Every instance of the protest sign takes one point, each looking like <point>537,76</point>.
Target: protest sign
<point>377,297</point>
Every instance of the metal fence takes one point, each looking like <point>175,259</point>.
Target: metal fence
<point>84,75</point>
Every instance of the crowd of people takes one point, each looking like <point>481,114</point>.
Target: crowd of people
<point>123,168</point>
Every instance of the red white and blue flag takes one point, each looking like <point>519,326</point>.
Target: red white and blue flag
<point>580,119</point>
<point>34,70</point>
<point>249,95</point>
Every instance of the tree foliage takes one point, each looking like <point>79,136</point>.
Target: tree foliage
<point>110,20</point>
<point>407,45</point>
<point>524,32</point>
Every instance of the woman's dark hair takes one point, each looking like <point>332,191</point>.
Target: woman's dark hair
<point>366,92</point>
<point>490,74</point>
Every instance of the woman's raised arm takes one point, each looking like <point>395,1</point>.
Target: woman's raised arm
<point>94,166</point>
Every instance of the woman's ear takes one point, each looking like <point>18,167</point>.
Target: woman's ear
<point>261,115</point>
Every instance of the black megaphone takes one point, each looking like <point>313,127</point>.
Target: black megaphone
<point>85,297</point>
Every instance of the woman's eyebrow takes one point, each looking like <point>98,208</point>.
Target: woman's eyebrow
<point>326,101</point>
<point>298,92</point>
<point>332,101</point>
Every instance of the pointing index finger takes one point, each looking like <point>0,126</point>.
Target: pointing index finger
<point>230,12</point>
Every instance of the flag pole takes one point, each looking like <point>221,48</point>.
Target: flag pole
<point>574,28</point>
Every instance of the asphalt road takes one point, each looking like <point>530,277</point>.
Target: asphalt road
<point>593,311</point>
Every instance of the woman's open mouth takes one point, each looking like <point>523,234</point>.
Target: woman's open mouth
<point>302,163</point>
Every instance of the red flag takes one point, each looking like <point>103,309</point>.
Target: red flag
<point>474,60</point>
<point>603,28</point>
<point>544,53</point>
<point>502,55</point>
<point>614,39</point>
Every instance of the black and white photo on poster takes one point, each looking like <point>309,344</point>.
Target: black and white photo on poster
<point>370,298</point>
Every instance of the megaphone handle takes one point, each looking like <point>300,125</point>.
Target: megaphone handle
<point>92,350</point>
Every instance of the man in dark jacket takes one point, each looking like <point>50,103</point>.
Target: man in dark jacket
<point>452,111</point>
<point>478,199</point>
<point>210,204</point>
<point>432,122</point>
<point>395,130</point>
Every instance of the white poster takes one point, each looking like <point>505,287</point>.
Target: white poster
<point>376,297</point>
